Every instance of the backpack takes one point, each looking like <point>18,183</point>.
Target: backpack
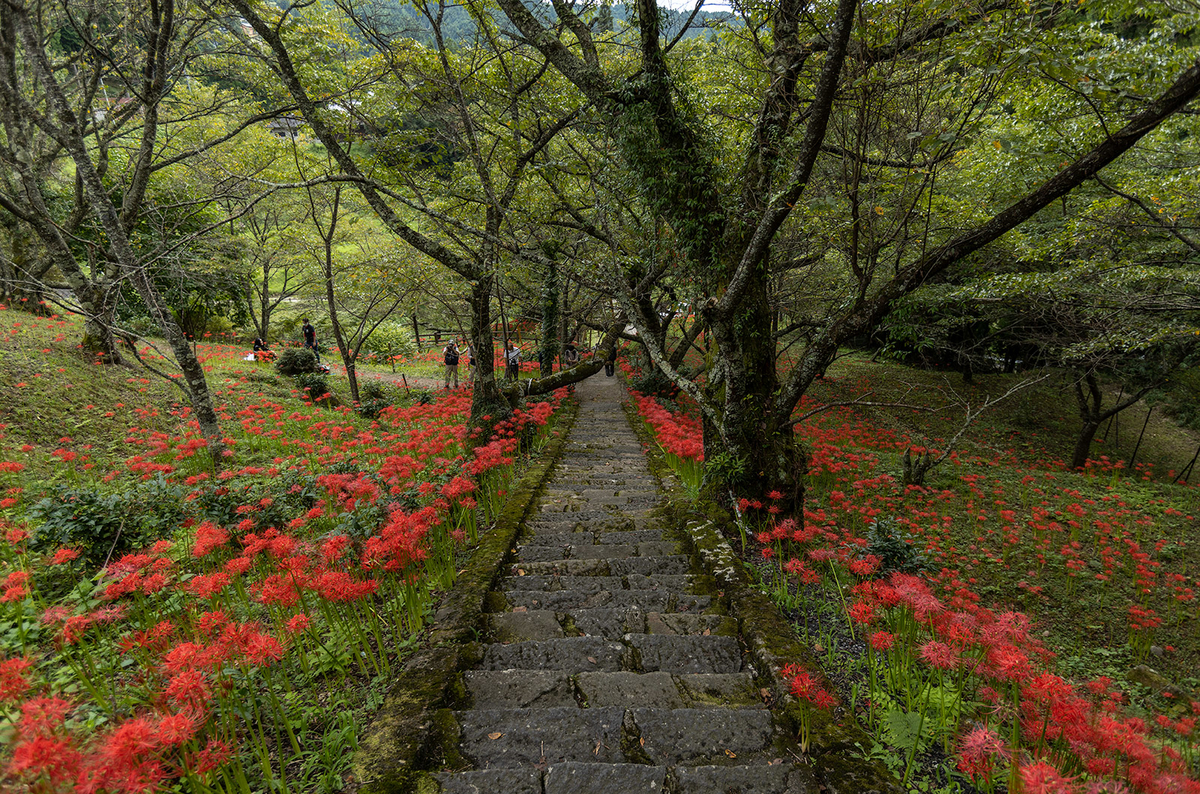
<point>451,358</point>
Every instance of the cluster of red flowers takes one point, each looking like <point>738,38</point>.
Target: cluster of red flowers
<point>175,639</point>
<point>1045,533</point>
<point>678,434</point>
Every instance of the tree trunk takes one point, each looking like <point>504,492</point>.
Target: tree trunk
<point>487,399</point>
<point>765,454</point>
<point>1083,444</point>
<point>347,355</point>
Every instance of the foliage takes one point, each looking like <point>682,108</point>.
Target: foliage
<point>895,549</point>
<point>373,399</point>
<point>390,339</point>
<point>314,383</point>
<point>105,525</point>
<point>297,361</point>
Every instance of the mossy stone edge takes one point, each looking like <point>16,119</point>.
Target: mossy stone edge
<point>837,749</point>
<point>408,731</point>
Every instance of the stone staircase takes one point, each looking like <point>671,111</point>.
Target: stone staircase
<point>609,666</point>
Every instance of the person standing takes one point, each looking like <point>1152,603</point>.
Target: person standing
<point>570,354</point>
<point>450,355</point>
<point>471,363</point>
<point>512,360</point>
<point>310,338</point>
<point>610,363</point>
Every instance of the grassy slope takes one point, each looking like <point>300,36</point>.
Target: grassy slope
<point>1038,424</point>
<point>1035,430</point>
<point>56,396</point>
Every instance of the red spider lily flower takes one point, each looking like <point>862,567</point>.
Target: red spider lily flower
<point>263,649</point>
<point>214,754</point>
<point>298,623</point>
<point>334,548</point>
<point>939,655</point>
<point>42,715</point>
<point>209,538</point>
<point>208,585</point>
<point>189,689</point>
<point>1043,778</point>
<point>63,556</point>
<point>862,612</point>
<point>210,623</point>
<point>864,566</point>
<point>13,683</point>
<point>125,759</point>
<point>238,565</point>
<point>15,587</point>
<point>979,751</point>
<point>193,656</point>
<point>882,641</point>
<point>53,758</point>
<point>175,729</point>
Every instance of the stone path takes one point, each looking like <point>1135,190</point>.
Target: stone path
<point>609,667</point>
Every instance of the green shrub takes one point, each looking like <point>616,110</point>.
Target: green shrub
<point>371,409</point>
<point>103,526</point>
<point>648,380</point>
<point>315,383</point>
<point>894,549</point>
<point>143,326</point>
<point>297,361</point>
<point>372,390</point>
<point>1180,399</point>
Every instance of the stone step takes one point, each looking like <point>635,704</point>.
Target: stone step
<point>720,690</point>
<point>519,689</point>
<point>534,624</point>
<point>592,778</point>
<point>593,582</point>
<point>683,623</point>
<point>600,551</point>
<point>647,566</point>
<point>607,622</point>
<point>564,566</point>
<point>515,689</point>
<point>489,781</point>
<point>633,536</point>
<point>599,565</point>
<point>541,553</point>
<point>647,600</point>
<point>686,653</point>
<point>630,690</point>
<point>772,777</point>
<point>578,537</point>
<point>491,738</point>
<point>576,777</point>
<point>681,582</point>
<point>580,584</point>
<point>699,735</point>
<point>568,654</point>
